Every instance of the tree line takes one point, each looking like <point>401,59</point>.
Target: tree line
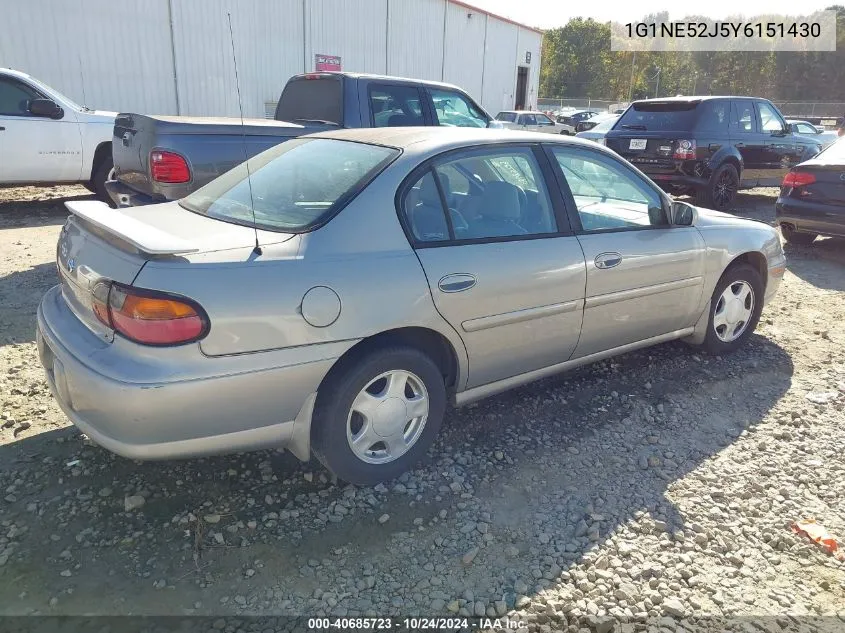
<point>577,62</point>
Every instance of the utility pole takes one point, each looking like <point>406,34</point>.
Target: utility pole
<point>631,84</point>
<point>694,82</point>
<point>657,86</point>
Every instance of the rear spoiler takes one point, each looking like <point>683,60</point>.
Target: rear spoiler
<point>145,237</point>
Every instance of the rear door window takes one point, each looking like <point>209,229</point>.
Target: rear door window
<point>659,115</point>
<point>396,106</point>
<point>713,117</point>
<point>743,119</point>
<point>527,119</point>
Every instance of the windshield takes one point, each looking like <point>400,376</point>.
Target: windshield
<point>294,186</point>
<point>672,115</point>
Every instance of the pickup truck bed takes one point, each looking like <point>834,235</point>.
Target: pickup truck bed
<point>161,158</point>
<point>209,145</point>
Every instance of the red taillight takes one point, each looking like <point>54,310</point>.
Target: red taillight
<point>684,150</point>
<point>798,179</point>
<point>149,317</point>
<point>168,167</point>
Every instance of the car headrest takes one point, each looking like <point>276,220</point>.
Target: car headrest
<point>428,192</point>
<point>500,200</point>
<point>402,120</point>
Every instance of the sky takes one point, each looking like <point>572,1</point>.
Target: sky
<point>546,14</point>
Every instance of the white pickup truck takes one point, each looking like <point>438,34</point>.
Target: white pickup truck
<point>45,138</point>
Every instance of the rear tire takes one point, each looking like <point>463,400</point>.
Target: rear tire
<point>720,191</point>
<point>794,237</point>
<point>735,308</point>
<point>98,181</point>
<point>376,397</point>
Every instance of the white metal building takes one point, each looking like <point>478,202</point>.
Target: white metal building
<point>175,56</point>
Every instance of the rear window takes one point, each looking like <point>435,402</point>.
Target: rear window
<point>659,115</point>
<point>291,187</point>
<point>510,117</point>
<point>318,99</point>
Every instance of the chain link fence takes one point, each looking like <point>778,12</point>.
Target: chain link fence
<point>585,104</point>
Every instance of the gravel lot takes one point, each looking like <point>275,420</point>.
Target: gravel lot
<point>661,483</point>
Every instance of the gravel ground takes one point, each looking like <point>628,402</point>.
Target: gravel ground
<point>653,486</point>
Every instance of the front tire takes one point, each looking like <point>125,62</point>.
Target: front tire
<point>377,415</point>
<point>720,191</point>
<point>794,237</point>
<point>735,308</point>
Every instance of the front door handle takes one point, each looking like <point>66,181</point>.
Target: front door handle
<point>457,282</point>
<point>740,145</point>
<point>2,129</point>
<point>608,260</point>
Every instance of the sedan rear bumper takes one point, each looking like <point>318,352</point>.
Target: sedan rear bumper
<point>163,413</point>
<point>811,217</point>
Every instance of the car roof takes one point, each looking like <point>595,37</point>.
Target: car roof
<point>433,139</point>
<point>391,78</point>
<point>15,73</point>
<point>520,112</point>
<point>696,99</point>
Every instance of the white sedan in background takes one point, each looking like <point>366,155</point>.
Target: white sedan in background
<point>528,121</point>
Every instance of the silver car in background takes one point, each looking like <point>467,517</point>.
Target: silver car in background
<point>334,294</point>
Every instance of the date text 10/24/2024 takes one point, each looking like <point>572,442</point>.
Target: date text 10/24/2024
<point>416,624</point>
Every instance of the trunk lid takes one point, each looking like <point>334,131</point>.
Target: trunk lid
<point>829,187</point>
<point>98,245</point>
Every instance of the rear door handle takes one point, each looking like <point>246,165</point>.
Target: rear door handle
<point>608,260</point>
<point>457,282</point>
<point>715,146</point>
<point>2,128</point>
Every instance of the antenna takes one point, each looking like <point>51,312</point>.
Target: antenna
<point>82,79</point>
<point>257,249</point>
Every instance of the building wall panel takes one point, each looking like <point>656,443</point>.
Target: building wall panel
<point>104,54</point>
<point>464,48</point>
<point>415,38</point>
<point>268,37</point>
<point>352,29</point>
<point>499,67</point>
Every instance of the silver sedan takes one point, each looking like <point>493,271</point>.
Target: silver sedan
<point>334,294</point>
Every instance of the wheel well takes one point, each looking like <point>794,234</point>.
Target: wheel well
<point>430,342</point>
<point>735,162</point>
<point>102,151</point>
<point>757,261</point>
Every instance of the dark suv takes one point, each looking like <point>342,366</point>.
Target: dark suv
<point>709,146</point>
